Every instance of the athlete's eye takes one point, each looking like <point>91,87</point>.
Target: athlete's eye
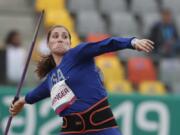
<point>64,35</point>
<point>55,35</point>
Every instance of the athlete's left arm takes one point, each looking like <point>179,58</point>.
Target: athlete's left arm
<point>92,49</point>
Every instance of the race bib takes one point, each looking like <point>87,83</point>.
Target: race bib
<point>61,96</point>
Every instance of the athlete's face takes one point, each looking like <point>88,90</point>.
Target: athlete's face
<point>59,41</point>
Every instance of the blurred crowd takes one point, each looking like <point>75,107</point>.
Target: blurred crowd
<point>165,35</point>
<point>94,20</point>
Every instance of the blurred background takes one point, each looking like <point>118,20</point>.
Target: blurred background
<point>144,89</point>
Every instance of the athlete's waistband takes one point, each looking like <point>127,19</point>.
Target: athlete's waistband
<point>96,118</point>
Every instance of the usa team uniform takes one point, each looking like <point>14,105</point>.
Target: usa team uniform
<point>87,112</point>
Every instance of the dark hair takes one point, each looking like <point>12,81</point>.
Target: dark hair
<point>10,36</point>
<point>165,10</point>
<point>47,63</point>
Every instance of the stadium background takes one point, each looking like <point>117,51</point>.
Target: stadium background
<point>143,88</point>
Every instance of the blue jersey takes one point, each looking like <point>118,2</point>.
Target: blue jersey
<point>78,68</point>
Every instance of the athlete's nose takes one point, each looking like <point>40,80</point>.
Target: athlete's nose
<point>60,41</point>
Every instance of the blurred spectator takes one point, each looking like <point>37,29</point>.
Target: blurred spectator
<point>165,35</point>
<point>15,57</point>
<point>3,66</point>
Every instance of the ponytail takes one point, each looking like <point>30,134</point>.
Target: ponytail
<point>44,66</point>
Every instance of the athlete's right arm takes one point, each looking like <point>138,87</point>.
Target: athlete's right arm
<point>39,93</point>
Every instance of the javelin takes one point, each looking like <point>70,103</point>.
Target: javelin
<point>25,69</point>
